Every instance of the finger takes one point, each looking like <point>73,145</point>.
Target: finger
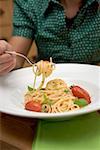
<point>5,46</point>
<point>7,65</point>
<point>7,70</point>
<point>10,48</point>
<point>5,58</point>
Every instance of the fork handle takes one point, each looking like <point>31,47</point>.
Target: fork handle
<point>21,55</point>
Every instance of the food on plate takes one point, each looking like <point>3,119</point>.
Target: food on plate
<point>56,96</point>
<point>80,93</point>
<point>43,68</point>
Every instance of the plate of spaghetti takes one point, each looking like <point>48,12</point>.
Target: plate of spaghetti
<point>51,91</point>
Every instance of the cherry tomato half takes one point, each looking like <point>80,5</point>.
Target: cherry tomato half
<point>80,93</point>
<point>33,106</point>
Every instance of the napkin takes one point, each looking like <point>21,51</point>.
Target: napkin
<point>78,133</point>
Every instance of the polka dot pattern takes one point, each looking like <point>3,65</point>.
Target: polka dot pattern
<point>44,22</point>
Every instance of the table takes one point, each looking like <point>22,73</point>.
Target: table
<point>16,133</point>
<point>19,133</point>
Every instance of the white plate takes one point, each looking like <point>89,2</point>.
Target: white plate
<point>14,85</point>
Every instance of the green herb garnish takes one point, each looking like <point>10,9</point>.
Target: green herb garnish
<point>30,88</point>
<point>46,100</point>
<point>66,90</point>
<point>81,102</point>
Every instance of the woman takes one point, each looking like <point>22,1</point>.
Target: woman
<point>67,30</point>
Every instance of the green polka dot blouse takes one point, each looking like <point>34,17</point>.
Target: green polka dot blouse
<point>44,21</point>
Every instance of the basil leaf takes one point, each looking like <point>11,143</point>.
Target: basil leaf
<point>81,102</point>
<point>66,91</point>
<point>50,102</point>
<point>46,100</point>
<point>30,88</point>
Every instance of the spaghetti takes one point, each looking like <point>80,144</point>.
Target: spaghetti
<point>55,97</point>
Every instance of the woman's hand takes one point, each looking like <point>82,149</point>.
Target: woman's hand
<point>7,61</point>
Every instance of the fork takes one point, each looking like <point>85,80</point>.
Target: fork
<point>19,54</point>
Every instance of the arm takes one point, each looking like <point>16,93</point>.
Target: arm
<point>23,35</point>
<point>21,45</point>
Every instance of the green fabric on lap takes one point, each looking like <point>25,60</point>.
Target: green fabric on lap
<point>78,133</point>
